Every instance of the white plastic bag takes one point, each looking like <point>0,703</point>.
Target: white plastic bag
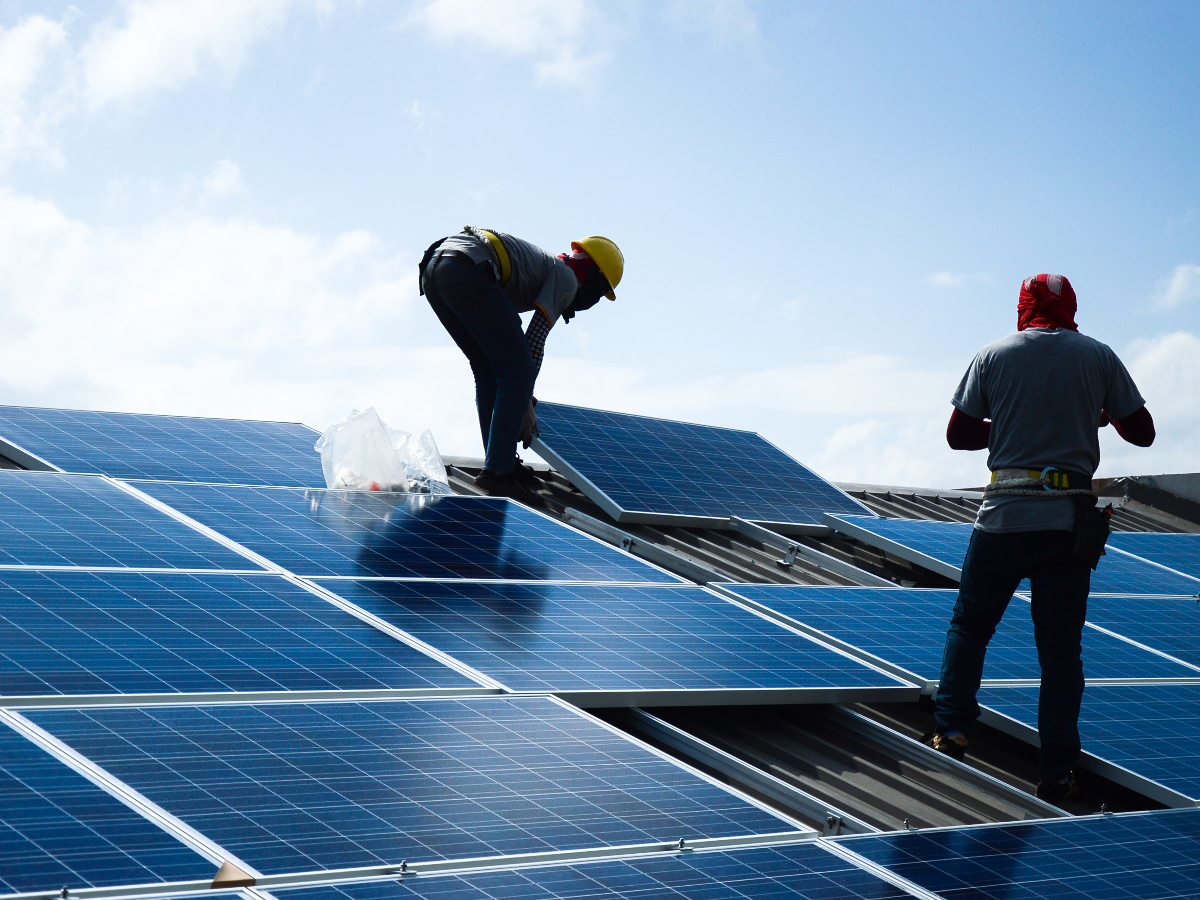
<point>362,453</point>
<point>357,454</point>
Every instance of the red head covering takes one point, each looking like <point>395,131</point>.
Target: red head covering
<point>581,264</point>
<point>1046,301</point>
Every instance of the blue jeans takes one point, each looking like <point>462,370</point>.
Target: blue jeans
<point>995,565</point>
<point>479,316</point>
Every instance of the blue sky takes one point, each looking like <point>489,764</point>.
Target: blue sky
<point>825,210</point>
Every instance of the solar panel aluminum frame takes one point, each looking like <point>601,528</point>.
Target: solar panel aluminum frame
<point>900,551</point>
<point>1115,773</point>
<point>29,461</point>
<point>631,517</point>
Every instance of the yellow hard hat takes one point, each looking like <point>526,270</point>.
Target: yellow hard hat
<point>607,256</point>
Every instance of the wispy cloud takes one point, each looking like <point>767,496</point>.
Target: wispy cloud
<point>722,21</point>
<point>946,280</point>
<point>1181,288</point>
<point>559,36</point>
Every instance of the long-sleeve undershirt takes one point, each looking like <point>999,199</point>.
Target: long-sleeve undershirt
<point>535,337</point>
<point>969,433</point>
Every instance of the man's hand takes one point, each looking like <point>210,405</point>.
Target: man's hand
<point>529,428</point>
<point>1104,419</point>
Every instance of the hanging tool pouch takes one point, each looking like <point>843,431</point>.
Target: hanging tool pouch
<point>1091,529</point>
<point>424,264</point>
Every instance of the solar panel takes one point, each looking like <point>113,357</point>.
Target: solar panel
<point>789,872</point>
<point>1164,623</point>
<point>566,638</point>
<point>295,787</point>
<point>655,470</point>
<point>942,546</point>
<point>66,632</point>
<point>318,532</point>
<point>81,520</point>
<point>1150,730</point>
<point>1180,552</point>
<point>908,628</point>
<point>174,448</point>
<point>57,828</point>
<point>1150,856</point>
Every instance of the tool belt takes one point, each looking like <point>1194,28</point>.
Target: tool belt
<point>1092,523</point>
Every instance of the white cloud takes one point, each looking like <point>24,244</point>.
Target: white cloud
<point>224,179</point>
<point>31,57</point>
<point>1181,288</point>
<point>160,44</point>
<point>947,280</point>
<point>200,315</point>
<point>559,35</point>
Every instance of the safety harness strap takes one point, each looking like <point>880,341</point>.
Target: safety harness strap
<point>501,254</point>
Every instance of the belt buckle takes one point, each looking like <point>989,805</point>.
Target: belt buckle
<point>1046,481</point>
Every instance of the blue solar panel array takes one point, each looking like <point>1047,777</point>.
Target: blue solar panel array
<point>1151,730</point>
<point>649,468</point>
<point>82,520</point>
<point>57,828</point>
<point>1180,552</point>
<point>548,637</point>
<point>788,872</point>
<point>1149,856</point>
<point>908,629</point>
<point>166,448</point>
<point>1167,624</point>
<point>64,632</point>
<point>1117,573</point>
<point>321,533</point>
<point>295,787</point>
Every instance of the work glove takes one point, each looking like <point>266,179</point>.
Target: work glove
<point>1104,419</point>
<point>529,427</point>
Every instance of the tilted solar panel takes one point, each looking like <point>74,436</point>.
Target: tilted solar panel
<point>1151,856</point>
<point>567,638</point>
<point>65,632</point>
<point>81,520</point>
<point>175,448</point>
<point>942,546</point>
<point>641,469</point>
<point>1180,552</point>
<point>1168,624</point>
<point>296,787</point>
<point>58,829</point>
<point>341,533</point>
<point>907,627</point>
<point>787,872</point>
<point>1151,730</point>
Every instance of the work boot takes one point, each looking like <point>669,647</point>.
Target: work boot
<point>1057,791</point>
<point>952,744</point>
<point>507,485</point>
<point>526,476</point>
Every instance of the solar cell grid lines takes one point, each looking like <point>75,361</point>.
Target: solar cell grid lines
<point>942,547</point>
<point>181,448</point>
<point>645,469</point>
<point>1180,552</point>
<point>340,533</point>
<point>907,627</point>
<point>568,638</point>
<point>69,632</point>
<point>789,872</point>
<point>1168,624</point>
<point>57,828</point>
<point>1148,856</point>
<point>298,787</point>
<point>48,519</point>
<point>1152,731</point>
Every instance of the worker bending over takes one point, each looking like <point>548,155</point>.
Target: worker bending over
<point>1046,390</point>
<point>477,283</point>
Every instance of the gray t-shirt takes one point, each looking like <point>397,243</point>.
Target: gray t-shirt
<point>539,280</point>
<point>1043,389</point>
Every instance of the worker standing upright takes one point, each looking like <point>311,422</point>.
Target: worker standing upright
<point>1036,399</point>
<point>478,282</point>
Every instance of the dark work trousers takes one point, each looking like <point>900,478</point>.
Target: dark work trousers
<point>473,308</point>
<point>995,564</point>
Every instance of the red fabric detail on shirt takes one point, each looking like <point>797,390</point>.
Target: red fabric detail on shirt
<point>967,432</point>
<point>1137,428</point>
<point>1046,301</point>
<point>581,264</point>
